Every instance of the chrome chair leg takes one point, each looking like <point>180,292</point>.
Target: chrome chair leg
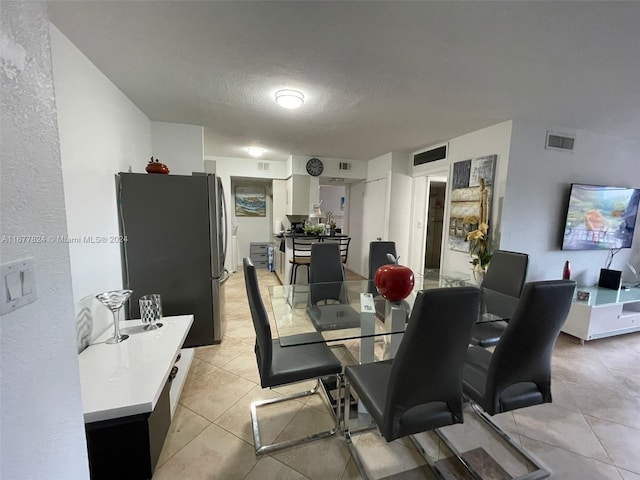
<point>540,473</point>
<point>262,449</point>
<point>430,462</point>
<point>347,431</point>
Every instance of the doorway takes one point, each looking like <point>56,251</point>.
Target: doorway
<point>435,227</point>
<point>334,201</point>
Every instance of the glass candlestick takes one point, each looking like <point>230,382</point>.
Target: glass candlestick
<point>114,300</point>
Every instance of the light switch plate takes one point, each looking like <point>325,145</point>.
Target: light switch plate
<point>17,283</point>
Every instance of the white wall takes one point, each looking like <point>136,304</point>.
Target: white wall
<point>495,139</point>
<point>101,133</point>
<point>298,165</point>
<point>398,214</point>
<point>179,146</point>
<point>227,167</point>
<point>358,253</point>
<point>378,167</point>
<point>252,229</point>
<point>378,206</point>
<point>537,196</point>
<point>42,421</point>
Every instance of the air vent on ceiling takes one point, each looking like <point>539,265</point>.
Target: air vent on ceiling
<point>344,166</point>
<point>560,141</point>
<point>264,166</point>
<point>438,153</point>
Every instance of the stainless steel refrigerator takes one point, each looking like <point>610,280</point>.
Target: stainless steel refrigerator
<point>176,243</point>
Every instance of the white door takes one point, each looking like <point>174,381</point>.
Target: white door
<point>356,229</point>
<point>418,225</point>
<point>399,213</point>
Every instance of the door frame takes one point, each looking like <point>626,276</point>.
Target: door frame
<point>420,217</point>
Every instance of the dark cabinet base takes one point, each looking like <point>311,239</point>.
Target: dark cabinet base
<point>128,447</point>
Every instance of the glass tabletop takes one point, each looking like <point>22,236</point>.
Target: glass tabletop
<point>600,296</point>
<point>302,315</point>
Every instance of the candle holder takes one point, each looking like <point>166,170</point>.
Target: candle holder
<point>151,311</point>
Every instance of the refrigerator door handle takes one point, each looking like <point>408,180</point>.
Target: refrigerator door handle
<point>224,224</point>
<point>225,276</point>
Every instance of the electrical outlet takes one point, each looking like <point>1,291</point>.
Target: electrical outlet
<point>18,285</point>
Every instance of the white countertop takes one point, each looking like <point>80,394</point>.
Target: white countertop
<point>127,378</point>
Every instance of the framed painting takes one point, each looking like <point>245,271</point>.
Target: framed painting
<point>251,202</point>
<point>471,192</point>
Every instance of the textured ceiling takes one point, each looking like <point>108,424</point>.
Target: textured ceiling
<point>377,76</point>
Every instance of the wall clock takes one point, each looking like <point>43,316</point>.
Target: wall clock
<point>314,167</point>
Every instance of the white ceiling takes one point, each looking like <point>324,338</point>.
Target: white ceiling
<point>377,76</point>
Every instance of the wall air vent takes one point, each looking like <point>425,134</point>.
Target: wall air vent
<point>263,166</point>
<point>564,142</point>
<point>344,166</point>
<point>438,153</point>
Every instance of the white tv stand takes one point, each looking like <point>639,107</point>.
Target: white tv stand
<point>606,313</point>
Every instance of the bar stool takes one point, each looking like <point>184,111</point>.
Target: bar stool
<point>301,255</point>
<point>343,244</point>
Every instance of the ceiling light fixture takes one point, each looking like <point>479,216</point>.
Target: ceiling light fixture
<point>255,151</point>
<point>289,99</point>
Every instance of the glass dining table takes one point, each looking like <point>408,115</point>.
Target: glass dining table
<point>302,316</point>
<point>299,318</point>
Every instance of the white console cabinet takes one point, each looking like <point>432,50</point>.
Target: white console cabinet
<point>129,395</point>
<point>606,313</point>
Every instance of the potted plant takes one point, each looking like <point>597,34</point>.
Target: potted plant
<point>479,249</point>
<point>331,223</point>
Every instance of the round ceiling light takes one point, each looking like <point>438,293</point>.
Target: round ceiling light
<point>289,99</point>
<point>255,151</point>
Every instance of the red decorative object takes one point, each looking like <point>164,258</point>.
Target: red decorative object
<point>154,166</point>
<point>394,282</point>
<point>566,272</point>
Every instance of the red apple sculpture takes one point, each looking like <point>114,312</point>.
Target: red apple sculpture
<point>394,282</point>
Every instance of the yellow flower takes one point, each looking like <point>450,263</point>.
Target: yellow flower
<point>476,235</point>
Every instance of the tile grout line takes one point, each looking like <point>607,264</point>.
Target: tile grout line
<point>185,445</point>
<point>555,447</point>
<point>586,417</point>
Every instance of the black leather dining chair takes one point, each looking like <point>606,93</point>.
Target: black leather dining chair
<point>518,373</point>
<point>279,365</point>
<point>378,252</point>
<point>329,307</point>
<point>501,290</point>
<point>421,389</point>
<point>377,257</point>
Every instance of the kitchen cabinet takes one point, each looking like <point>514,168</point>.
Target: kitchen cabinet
<point>298,189</point>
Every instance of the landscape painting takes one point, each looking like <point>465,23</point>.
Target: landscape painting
<point>471,192</point>
<point>251,202</point>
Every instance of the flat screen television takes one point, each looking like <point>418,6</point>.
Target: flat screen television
<point>600,217</point>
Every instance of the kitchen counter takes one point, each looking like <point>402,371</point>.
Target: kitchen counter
<point>285,252</point>
<point>304,235</point>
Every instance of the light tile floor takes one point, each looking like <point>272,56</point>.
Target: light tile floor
<point>590,431</point>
